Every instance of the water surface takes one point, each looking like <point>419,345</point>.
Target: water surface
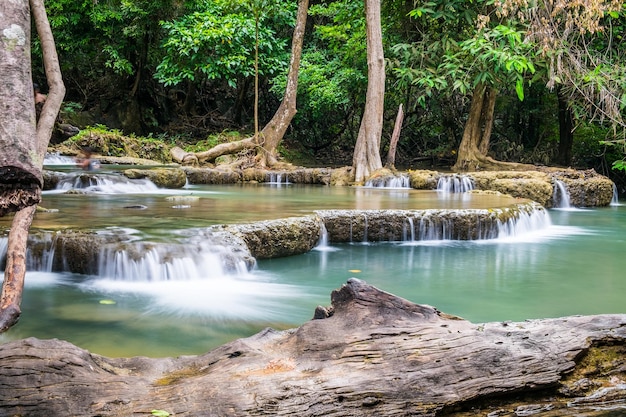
<point>575,266</point>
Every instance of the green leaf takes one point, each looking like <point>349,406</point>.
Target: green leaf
<point>519,89</point>
<point>160,413</point>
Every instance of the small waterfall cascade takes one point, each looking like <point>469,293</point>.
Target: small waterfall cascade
<point>277,178</point>
<point>524,223</point>
<point>39,253</point>
<point>455,183</point>
<point>151,262</point>
<point>58,159</point>
<point>399,181</point>
<point>200,256</point>
<point>560,195</point>
<point>104,183</point>
<point>434,224</point>
<point>322,242</point>
<point>4,242</point>
<point>615,199</point>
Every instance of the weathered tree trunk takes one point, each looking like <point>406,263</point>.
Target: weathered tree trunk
<point>472,155</point>
<point>395,136</point>
<point>20,168</point>
<point>566,130</point>
<point>366,157</point>
<point>273,132</point>
<point>269,138</point>
<point>24,144</point>
<point>369,354</point>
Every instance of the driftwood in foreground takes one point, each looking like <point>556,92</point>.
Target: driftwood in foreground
<point>369,354</point>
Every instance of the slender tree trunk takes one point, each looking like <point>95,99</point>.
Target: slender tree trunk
<point>486,119</point>
<point>366,157</point>
<point>566,130</point>
<point>273,132</point>
<point>24,144</point>
<point>395,136</point>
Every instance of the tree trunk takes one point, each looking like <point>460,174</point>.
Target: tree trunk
<point>269,138</point>
<point>369,354</point>
<point>23,143</point>
<point>20,167</point>
<point>395,136</point>
<point>472,155</point>
<point>566,130</point>
<point>273,132</point>
<point>366,157</point>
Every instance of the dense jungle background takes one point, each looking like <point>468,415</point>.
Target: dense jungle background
<point>184,71</point>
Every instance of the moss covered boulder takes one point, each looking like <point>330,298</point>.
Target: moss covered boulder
<point>161,177</point>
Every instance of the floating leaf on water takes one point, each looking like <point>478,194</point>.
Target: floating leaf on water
<point>107,302</point>
<point>354,271</point>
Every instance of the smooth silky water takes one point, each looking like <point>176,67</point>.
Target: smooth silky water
<point>574,266</point>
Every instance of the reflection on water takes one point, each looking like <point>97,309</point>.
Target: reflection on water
<point>154,211</point>
<point>572,266</point>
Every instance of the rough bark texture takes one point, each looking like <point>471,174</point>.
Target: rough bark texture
<point>369,354</point>
<point>273,132</point>
<point>366,158</point>
<point>24,140</point>
<point>472,155</point>
<point>11,296</point>
<point>20,167</point>
<point>395,136</point>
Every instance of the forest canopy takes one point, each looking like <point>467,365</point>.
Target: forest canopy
<point>185,70</point>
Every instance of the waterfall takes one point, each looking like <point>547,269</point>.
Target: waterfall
<point>434,224</point>
<point>277,178</point>
<point>400,181</point>
<point>194,254</point>
<point>105,184</point>
<point>322,242</point>
<point>455,184</point>
<point>4,242</point>
<point>560,195</point>
<point>615,199</point>
<point>57,159</point>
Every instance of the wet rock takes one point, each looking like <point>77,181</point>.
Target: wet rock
<point>171,178</point>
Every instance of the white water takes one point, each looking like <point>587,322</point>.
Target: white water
<point>455,184</point>
<point>102,183</point>
<point>615,199</point>
<point>560,195</point>
<point>400,181</point>
<point>57,159</point>
<point>278,179</point>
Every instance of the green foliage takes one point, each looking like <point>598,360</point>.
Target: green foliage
<point>219,42</point>
<point>444,59</point>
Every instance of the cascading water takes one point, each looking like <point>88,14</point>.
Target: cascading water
<point>560,195</point>
<point>400,181</point>
<point>615,199</point>
<point>455,184</point>
<point>58,159</point>
<point>277,178</point>
<point>149,262</point>
<point>104,183</point>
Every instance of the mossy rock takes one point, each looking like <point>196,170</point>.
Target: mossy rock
<point>114,143</point>
<point>424,179</point>
<point>162,177</point>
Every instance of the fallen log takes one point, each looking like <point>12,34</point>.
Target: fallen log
<point>369,354</point>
